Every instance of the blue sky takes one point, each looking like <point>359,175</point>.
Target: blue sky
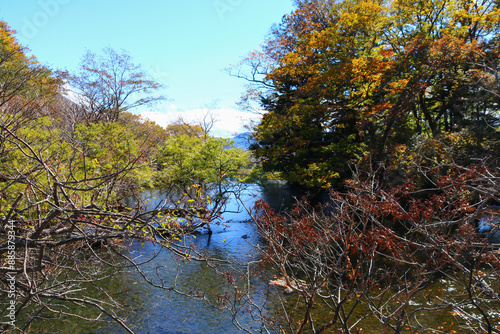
<point>184,44</point>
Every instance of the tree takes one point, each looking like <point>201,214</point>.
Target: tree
<point>183,128</point>
<point>111,83</point>
<point>26,86</point>
<point>61,225</point>
<point>352,80</point>
<point>203,171</point>
<point>371,254</point>
<point>150,132</point>
<point>61,222</point>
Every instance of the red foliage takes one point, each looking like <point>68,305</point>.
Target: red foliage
<point>369,240</point>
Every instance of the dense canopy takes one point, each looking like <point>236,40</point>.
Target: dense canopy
<point>353,80</point>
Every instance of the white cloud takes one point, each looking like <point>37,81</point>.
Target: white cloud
<point>228,122</point>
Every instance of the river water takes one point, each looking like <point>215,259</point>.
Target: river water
<point>159,311</point>
<point>153,310</point>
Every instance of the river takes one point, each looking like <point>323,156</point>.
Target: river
<point>151,310</point>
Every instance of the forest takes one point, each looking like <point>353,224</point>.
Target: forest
<point>384,114</point>
<point>375,83</point>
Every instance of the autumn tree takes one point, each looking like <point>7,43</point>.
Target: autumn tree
<point>182,128</point>
<point>370,256</point>
<point>151,133</point>
<point>27,87</point>
<point>342,81</point>
<point>110,83</point>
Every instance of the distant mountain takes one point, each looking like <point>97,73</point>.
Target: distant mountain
<point>243,140</point>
